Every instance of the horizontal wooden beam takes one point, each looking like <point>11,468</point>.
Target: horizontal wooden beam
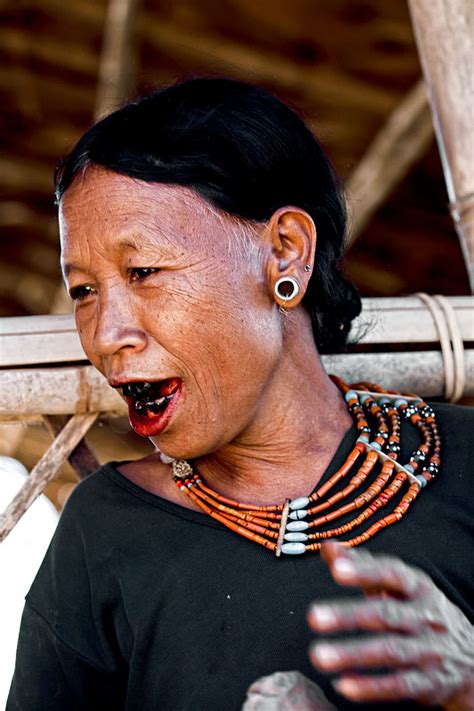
<point>26,393</point>
<point>56,391</point>
<point>420,372</point>
<point>37,340</point>
<point>29,340</point>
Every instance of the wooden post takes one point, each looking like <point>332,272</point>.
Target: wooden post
<point>117,64</point>
<point>400,142</point>
<point>45,470</point>
<point>444,31</point>
<point>82,458</point>
<point>116,76</point>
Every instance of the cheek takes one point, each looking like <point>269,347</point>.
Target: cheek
<point>227,349</point>
<point>85,330</point>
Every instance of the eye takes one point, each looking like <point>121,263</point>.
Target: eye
<point>140,273</point>
<point>78,293</point>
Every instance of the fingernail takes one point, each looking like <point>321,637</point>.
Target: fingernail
<point>323,616</point>
<point>344,567</point>
<point>347,687</point>
<point>325,654</point>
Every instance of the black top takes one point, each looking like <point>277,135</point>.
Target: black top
<point>143,605</point>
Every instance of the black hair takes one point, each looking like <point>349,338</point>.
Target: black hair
<point>245,152</point>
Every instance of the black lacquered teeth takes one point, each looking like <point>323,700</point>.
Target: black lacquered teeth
<point>140,406</point>
<point>146,397</point>
<point>136,390</point>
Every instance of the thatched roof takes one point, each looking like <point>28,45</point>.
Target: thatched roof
<point>347,64</point>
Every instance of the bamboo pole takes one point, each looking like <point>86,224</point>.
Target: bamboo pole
<point>35,340</point>
<point>45,470</point>
<point>82,458</point>
<point>406,370</point>
<point>117,63</point>
<point>117,68</point>
<point>56,391</point>
<point>403,139</point>
<point>444,31</point>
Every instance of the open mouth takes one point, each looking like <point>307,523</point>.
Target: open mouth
<point>150,398</point>
<point>150,402</point>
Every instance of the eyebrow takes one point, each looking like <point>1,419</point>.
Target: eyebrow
<point>133,241</point>
<point>68,268</point>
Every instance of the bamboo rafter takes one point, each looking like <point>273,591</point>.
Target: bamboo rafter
<point>402,141</point>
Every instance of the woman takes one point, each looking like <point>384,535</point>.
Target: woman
<point>202,229</point>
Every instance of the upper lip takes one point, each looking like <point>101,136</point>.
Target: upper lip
<point>119,382</point>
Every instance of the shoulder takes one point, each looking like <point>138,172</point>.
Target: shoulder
<point>104,489</point>
<point>455,483</point>
<point>456,418</point>
<point>87,512</point>
<point>456,427</point>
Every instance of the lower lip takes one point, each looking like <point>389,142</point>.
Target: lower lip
<point>151,425</point>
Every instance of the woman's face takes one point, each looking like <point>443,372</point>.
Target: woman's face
<point>164,298</point>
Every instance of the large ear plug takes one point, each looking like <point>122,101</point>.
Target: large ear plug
<point>286,288</point>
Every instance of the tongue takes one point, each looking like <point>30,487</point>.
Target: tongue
<point>168,387</point>
<point>149,391</point>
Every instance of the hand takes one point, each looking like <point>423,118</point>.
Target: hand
<point>423,637</point>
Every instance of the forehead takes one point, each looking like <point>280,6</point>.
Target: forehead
<point>102,203</point>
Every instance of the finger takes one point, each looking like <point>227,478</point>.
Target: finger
<point>404,685</point>
<point>373,614</point>
<point>357,568</point>
<point>373,652</point>
<point>330,550</point>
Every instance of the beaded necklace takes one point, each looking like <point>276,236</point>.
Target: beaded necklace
<point>299,525</point>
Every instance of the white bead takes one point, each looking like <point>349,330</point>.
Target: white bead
<point>296,536</point>
<point>293,548</point>
<point>351,395</point>
<point>295,515</point>
<point>165,459</point>
<point>300,503</point>
<point>297,526</point>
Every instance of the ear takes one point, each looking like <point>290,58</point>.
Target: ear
<point>292,244</point>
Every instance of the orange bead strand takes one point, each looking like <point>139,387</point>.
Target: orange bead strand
<point>294,527</point>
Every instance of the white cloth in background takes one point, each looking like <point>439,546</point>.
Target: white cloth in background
<point>21,554</point>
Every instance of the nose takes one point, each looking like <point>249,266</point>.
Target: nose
<point>117,328</point>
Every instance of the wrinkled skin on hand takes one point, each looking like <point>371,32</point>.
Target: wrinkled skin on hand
<point>286,691</point>
<point>425,640</point>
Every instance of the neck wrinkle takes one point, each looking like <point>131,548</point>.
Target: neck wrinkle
<point>287,461</point>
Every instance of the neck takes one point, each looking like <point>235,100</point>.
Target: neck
<point>300,422</point>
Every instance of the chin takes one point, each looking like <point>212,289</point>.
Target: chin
<point>180,447</point>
